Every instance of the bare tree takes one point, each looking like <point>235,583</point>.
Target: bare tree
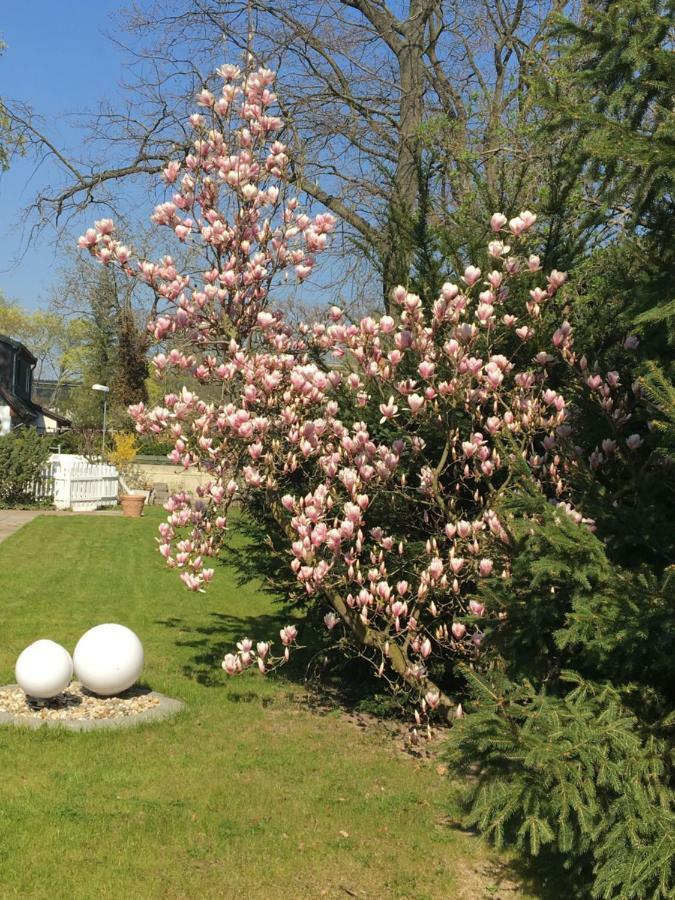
<point>386,102</point>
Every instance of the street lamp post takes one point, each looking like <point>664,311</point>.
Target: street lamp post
<point>105,391</point>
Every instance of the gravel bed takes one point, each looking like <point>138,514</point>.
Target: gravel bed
<point>78,709</point>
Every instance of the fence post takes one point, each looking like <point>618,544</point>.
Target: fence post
<point>68,488</point>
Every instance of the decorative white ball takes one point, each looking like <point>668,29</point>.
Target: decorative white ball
<point>108,659</point>
<point>44,669</point>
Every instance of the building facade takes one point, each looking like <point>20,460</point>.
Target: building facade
<point>17,407</point>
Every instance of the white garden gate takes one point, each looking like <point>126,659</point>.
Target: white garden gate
<point>80,485</point>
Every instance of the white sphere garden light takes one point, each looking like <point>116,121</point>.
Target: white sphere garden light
<point>108,659</point>
<point>44,669</point>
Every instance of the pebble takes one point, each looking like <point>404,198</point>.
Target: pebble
<point>77,703</point>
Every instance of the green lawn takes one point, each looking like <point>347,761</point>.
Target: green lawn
<point>247,793</point>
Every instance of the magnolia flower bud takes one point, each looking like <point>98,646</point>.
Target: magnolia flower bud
<point>432,699</point>
<point>230,664</point>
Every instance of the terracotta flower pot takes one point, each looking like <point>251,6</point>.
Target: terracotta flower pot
<point>132,505</point>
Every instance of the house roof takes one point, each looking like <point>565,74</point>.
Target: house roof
<point>27,410</point>
<point>22,408</point>
<point>61,420</point>
<point>17,345</point>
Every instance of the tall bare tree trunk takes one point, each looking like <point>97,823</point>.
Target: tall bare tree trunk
<point>397,253</point>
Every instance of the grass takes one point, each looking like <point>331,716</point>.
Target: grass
<point>245,793</point>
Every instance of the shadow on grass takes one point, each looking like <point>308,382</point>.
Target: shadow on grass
<point>351,688</point>
<point>210,641</point>
<point>546,877</point>
<point>331,680</point>
<point>257,556</point>
<point>513,878</point>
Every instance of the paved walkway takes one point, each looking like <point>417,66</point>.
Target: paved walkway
<point>13,519</point>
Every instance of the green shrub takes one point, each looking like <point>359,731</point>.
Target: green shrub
<point>152,445</point>
<point>23,454</point>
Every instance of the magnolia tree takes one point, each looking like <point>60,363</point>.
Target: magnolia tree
<point>377,447</point>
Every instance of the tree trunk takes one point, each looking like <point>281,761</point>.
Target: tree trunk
<point>398,250</point>
<point>367,636</point>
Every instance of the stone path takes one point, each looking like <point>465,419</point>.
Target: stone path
<point>13,519</point>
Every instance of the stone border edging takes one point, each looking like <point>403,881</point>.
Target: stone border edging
<point>166,707</point>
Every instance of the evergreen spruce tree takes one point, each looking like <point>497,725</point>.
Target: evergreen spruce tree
<point>85,405</point>
<point>115,355</point>
<point>570,713</point>
<point>661,393</point>
<point>131,367</point>
<point>613,89</point>
<point>610,99</point>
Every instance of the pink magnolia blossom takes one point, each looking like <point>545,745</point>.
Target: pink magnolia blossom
<point>389,410</point>
<point>230,664</point>
<point>288,634</point>
<point>517,226</point>
<point>485,567</point>
<point>432,699</point>
<point>471,275</point>
<point>332,424</point>
<point>330,620</point>
<point>415,402</point>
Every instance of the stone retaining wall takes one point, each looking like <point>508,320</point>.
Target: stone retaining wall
<point>176,478</point>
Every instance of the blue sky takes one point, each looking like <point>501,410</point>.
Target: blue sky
<point>59,61</point>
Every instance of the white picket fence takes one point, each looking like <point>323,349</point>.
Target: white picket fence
<point>43,487</point>
<point>77,484</point>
